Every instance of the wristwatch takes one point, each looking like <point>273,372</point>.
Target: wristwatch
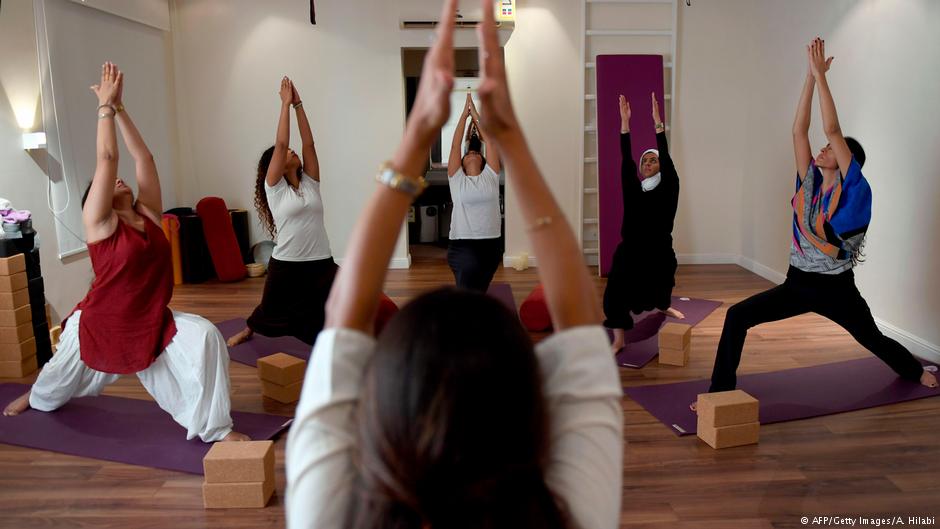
<point>660,127</point>
<point>412,186</point>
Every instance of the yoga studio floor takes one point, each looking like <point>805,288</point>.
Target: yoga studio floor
<point>884,460</point>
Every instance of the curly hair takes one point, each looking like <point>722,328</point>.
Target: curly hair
<point>261,198</point>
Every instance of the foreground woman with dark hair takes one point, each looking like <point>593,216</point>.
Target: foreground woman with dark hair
<point>451,418</point>
<point>124,326</point>
<point>287,197</point>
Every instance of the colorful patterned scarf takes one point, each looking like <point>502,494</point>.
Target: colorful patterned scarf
<point>834,221</point>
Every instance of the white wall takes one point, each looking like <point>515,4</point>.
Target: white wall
<point>21,179</point>
<point>230,57</point>
<point>543,64</point>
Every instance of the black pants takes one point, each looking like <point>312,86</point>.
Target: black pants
<point>474,261</point>
<point>294,299</point>
<point>831,296</point>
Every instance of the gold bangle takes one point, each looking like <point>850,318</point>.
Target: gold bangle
<point>540,223</point>
<point>298,105</point>
<point>393,179</point>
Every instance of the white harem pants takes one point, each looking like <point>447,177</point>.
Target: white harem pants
<point>189,379</point>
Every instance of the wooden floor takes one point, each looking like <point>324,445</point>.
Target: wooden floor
<point>879,461</point>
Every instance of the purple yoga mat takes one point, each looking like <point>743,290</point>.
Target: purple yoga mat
<point>260,346</point>
<point>643,340</point>
<point>634,76</point>
<point>136,432</point>
<point>791,394</point>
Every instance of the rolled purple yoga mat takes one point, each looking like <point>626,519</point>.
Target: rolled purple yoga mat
<point>791,394</point>
<point>132,431</point>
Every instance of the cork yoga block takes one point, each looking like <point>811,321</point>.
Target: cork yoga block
<point>17,351</point>
<point>14,300</point>
<point>284,394</point>
<point>18,334</point>
<point>237,495</point>
<point>281,369</point>
<point>14,282</point>
<point>239,462</point>
<point>729,436</point>
<point>12,265</point>
<point>675,357</point>
<point>15,317</point>
<point>676,336</point>
<point>18,368</point>
<point>727,408</point>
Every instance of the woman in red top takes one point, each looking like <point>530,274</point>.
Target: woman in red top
<point>124,324</point>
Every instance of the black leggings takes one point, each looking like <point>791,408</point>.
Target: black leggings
<point>474,261</point>
<point>831,296</point>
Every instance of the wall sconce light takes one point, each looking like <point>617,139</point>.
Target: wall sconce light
<point>34,140</point>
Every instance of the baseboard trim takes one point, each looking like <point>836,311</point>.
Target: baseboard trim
<point>397,263</point>
<point>762,270</point>
<point>706,258</point>
<point>915,344</point>
<point>509,261</point>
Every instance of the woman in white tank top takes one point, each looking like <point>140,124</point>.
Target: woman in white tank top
<point>476,244</point>
<point>301,268</point>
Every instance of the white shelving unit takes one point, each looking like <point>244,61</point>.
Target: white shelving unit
<point>643,37</point>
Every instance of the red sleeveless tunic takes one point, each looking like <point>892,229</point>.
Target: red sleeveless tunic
<point>125,319</point>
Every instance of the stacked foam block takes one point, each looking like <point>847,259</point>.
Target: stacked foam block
<point>17,343</point>
<point>675,342</point>
<point>238,475</point>
<point>282,377</point>
<point>727,419</point>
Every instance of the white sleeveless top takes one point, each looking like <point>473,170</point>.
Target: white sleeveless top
<point>476,205</point>
<point>298,216</point>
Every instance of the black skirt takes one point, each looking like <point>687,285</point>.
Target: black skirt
<point>294,299</point>
<point>639,280</point>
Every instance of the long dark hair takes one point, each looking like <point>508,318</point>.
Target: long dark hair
<point>453,425</point>
<point>261,198</point>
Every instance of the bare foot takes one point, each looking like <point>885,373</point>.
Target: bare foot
<point>674,313</point>
<point>618,343</point>
<point>928,379</point>
<point>234,436</point>
<point>241,337</point>
<point>18,406</point>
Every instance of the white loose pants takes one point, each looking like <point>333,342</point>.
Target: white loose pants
<point>189,379</point>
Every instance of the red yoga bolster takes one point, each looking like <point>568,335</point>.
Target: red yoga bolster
<point>534,312</point>
<point>220,237</point>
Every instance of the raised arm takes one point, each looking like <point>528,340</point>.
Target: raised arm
<point>148,181</point>
<point>820,65</point>
<point>355,294</point>
<point>453,162</point>
<point>98,214</point>
<point>309,149</point>
<point>666,166</point>
<point>801,148</point>
<point>629,183</point>
<point>282,141</point>
<point>569,291</point>
<point>492,150</point>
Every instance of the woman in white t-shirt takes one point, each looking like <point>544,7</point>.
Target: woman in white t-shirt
<point>301,268</point>
<point>451,417</point>
<point>476,244</point>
